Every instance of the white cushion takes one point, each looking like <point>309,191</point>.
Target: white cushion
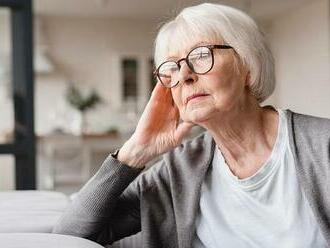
<point>30,211</point>
<point>42,240</point>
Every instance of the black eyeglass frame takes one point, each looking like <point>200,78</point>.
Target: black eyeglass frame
<point>178,62</point>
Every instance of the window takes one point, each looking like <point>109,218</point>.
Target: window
<point>21,144</point>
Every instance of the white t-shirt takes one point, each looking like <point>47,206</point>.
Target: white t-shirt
<point>267,209</point>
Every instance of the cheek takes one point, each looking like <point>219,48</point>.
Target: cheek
<point>230,80</point>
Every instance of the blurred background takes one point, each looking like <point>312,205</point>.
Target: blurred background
<point>92,68</point>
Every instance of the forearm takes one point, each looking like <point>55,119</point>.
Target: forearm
<point>133,156</point>
<point>96,201</point>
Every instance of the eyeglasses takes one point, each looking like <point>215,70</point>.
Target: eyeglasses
<point>200,60</point>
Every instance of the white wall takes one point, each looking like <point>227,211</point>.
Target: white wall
<point>300,43</point>
<point>88,52</point>
<point>7,177</point>
<point>6,105</point>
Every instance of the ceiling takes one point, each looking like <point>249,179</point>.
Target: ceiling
<point>154,9</point>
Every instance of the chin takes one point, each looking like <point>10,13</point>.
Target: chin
<point>199,116</point>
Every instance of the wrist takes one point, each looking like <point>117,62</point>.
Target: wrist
<point>115,154</point>
<point>132,156</point>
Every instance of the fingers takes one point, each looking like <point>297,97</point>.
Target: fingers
<point>172,100</point>
<point>176,113</point>
<point>159,107</point>
<point>158,90</point>
<point>160,93</point>
<point>155,97</point>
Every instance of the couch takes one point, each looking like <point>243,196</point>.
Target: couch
<point>27,218</point>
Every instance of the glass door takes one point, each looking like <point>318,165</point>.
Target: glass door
<point>17,139</point>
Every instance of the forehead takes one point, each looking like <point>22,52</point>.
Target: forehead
<point>184,50</point>
<point>179,38</point>
<point>181,44</point>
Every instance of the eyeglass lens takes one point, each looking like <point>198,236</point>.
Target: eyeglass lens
<point>199,60</point>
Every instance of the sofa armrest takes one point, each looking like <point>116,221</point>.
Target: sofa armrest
<point>42,240</point>
<point>30,211</point>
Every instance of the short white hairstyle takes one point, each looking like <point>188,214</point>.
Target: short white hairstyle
<point>220,23</point>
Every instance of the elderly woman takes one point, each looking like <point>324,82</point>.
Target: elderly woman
<point>258,176</point>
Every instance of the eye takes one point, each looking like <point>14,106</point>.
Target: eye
<point>168,68</point>
<point>171,67</point>
<point>200,53</point>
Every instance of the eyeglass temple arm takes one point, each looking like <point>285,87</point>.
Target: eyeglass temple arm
<point>222,46</point>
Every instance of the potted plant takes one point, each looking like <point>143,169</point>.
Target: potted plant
<point>82,103</point>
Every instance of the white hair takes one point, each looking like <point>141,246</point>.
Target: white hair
<point>220,23</point>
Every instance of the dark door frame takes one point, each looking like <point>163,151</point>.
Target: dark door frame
<point>23,146</point>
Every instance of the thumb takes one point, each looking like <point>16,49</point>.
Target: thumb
<point>182,130</point>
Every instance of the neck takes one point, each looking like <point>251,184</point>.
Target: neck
<point>245,135</point>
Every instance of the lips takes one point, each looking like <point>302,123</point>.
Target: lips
<point>195,96</point>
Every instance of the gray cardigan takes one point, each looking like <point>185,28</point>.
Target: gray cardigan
<point>163,201</point>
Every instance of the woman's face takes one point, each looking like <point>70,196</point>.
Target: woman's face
<point>200,97</point>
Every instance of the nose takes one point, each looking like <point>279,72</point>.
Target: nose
<point>186,75</point>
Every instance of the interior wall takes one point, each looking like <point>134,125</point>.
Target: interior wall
<point>300,42</point>
<point>6,103</point>
<point>7,165</point>
<point>87,52</point>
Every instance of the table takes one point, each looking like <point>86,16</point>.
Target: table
<point>66,150</point>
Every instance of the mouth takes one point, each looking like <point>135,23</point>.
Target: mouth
<point>198,95</point>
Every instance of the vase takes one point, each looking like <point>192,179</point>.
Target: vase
<point>79,125</point>
<point>83,123</point>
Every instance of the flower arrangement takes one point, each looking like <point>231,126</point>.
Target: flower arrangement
<point>80,102</point>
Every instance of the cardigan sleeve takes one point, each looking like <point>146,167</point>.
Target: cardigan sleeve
<point>107,208</point>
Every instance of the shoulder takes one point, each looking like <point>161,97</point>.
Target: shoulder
<point>309,137</point>
<point>308,125</point>
<point>305,120</point>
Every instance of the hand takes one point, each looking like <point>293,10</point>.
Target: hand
<point>157,131</point>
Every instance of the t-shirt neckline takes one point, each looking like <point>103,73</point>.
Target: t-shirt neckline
<point>266,170</point>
